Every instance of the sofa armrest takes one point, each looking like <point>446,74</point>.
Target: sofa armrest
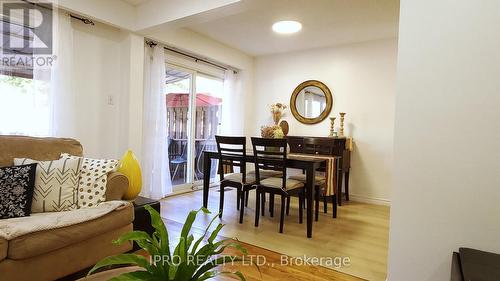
<point>116,186</point>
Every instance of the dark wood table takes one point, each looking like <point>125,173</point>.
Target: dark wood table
<point>142,219</point>
<point>308,165</point>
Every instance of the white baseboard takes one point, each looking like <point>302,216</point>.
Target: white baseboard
<point>353,197</point>
<point>369,200</point>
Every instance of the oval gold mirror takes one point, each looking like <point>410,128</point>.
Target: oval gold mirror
<point>311,102</point>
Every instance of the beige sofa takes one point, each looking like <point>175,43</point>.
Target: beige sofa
<point>52,254</point>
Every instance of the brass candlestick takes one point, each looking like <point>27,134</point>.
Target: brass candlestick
<point>332,127</point>
<point>342,114</point>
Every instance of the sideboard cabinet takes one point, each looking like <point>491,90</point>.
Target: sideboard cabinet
<point>334,146</point>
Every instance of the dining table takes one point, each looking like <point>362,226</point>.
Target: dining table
<point>308,165</point>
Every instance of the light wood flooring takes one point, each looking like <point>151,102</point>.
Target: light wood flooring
<point>360,231</point>
<point>270,270</point>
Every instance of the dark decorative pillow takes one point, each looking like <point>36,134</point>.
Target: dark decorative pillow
<point>16,190</point>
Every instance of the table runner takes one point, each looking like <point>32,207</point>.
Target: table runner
<point>330,170</point>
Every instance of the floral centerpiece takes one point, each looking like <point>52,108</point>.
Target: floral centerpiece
<point>272,132</point>
<point>277,110</point>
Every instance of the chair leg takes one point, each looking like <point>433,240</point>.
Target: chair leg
<point>185,172</point>
<point>346,185</point>
<point>301,203</point>
<point>238,198</point>
<point>282,213</point>
<point>221,200</point>
<point>288,205</point>
<point>263,203</point>
<point>271,205</point>
<point>316,203</point>
<point>246,197</point>
<point>339,190</point>
<point>175,171</point>
<point>242,207</point>
<point>325,204</point>
<point>334,205</point>
<point>257,207</point>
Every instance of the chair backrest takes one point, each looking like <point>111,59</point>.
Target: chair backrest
<point>318,146</point>
<point>232,152</point>
<point>270,154</point>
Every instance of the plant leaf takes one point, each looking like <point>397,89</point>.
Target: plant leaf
<point>197,243</point>
<point>160,239</point>
<point>215,233</point>
<point>188,224</point>
<point>141,238</point>
<point>212,274</point>
<point>214,263</point>
<point>123,259</point>
<point>134,276</point>
<point>161,230</point>
<point>237,273</point>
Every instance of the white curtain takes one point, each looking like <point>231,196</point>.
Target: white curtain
<point>232,105</point>
<point>155,166</point>
<point>62,95</point>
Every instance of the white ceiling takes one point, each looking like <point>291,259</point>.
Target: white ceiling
<point>135,2</point>
<point>325,23</point>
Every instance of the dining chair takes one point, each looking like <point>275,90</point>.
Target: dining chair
<point>319,147</point>
<point>271,155</point>
<point>178,159</point>
<point>232,152</point>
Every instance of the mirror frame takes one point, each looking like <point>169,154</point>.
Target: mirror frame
<point>324,114</point>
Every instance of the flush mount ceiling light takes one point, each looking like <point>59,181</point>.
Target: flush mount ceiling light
<point>287,26</point>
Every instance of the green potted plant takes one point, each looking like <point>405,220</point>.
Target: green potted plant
<point>190,261</point>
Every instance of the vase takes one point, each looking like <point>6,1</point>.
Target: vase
<point>276,117</point>
<point>129,166</point>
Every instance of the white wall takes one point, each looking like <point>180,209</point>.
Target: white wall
<point>362,78</point>
<point>98,73</point>
<point>446,190</point>
<point>109,62</point>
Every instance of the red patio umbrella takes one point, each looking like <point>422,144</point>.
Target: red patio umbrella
<point>182,100</point>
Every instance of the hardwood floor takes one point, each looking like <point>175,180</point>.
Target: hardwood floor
<point>270,265</point>
<point>360,232</point>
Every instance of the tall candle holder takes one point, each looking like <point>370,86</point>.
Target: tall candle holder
<point>341,131</point>
<point>332,127</point>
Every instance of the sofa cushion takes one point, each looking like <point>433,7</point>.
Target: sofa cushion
<point>35,148</point>
<point>16,190</point>
<point>56,184</point>
<point>41,242</point>
<point>67,260</point>
<point>319,180</point>
<point>278,183</point>
<point>238,177</point>
<point>4,245</point>
<point>93,178</point>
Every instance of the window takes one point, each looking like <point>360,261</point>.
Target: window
<point>24,106</point>
<point>24,98</point>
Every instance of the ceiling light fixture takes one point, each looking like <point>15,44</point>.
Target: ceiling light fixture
<point>287,26</point>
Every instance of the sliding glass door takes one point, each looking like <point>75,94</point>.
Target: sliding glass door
<point>194,102</point>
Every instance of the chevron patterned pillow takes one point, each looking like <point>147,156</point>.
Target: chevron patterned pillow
<point>56,184</point>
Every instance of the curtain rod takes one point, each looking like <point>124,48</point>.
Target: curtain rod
<point>196,59</point>
<point>84,20</point>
